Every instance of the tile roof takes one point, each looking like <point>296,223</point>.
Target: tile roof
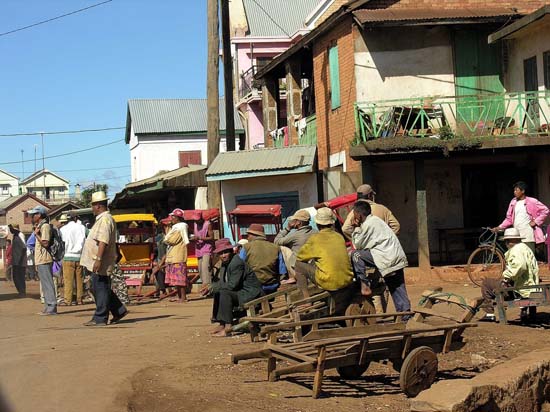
<point>398,15</point>
<point>277,18</point>
<point>152,116</point>
<point>262,162</point>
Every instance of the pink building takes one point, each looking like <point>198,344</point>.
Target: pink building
<point>262,29</point>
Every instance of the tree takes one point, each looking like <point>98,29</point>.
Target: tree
<point>87,193</point>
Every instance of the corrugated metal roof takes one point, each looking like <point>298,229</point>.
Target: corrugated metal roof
<point>394,15</point>
<point>277,18</point>
<point>165,176</point>
<point>250,163</point>
<point>151,116</point>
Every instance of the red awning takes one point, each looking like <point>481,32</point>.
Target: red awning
<point>196,214</point>
<point>269,210</point>
<point>340,201</point>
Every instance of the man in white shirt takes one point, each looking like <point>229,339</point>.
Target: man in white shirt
<point>73,235</point>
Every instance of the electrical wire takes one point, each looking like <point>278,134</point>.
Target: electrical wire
<point>54,18</point>
<point>65,154</point>
<point>61,132</point>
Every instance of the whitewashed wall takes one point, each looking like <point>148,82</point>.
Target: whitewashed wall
<point>9,186</point>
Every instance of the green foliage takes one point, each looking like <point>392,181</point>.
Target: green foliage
<point>409,144</point>
<point>446,133</point>
<point>87,193</point>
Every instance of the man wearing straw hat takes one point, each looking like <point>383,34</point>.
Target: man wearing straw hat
<point>521,270</point>
<point>99,256</point>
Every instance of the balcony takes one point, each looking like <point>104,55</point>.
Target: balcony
<point>248,84</point>
<point>307,133</point>
<point>496,115</point>
<point>56,201</point>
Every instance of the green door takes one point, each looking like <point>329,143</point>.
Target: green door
<point>478,77</point>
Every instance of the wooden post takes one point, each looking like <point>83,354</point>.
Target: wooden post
<point>318,380</point>
<point>213,98</point>
<point>293,70</point>
<point>228,78</point>
<point>270,91</point>
<point>422,217</point>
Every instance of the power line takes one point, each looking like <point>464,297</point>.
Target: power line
<point>66,154</point>
<point>271,18</point>
<point>54,18</point>
<point>88,170</point>
<point>61,132</point>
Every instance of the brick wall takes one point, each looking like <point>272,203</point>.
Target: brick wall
<point>335,128</point>
<point>331,10</point>
<point>523,6</point>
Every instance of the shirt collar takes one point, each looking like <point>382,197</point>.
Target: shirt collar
<point>101,215</point>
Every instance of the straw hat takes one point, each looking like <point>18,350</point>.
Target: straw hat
<point>256,229</point>
<point>510,234</point>
<point>302,215</point>
<point>324,217</point>
<point>63,218</point>
<point>366,190</point>
<point>100,196</point>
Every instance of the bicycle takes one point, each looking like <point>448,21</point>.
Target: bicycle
<point>487,261</point>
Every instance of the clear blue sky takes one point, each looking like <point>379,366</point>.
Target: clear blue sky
<point>78,72</point>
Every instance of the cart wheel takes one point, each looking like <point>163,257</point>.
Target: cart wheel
<point>365,308</point>
<point>418,371</point>
<point>352,371</point>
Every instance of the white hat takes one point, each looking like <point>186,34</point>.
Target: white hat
<point>100,196</point>
<point>324,217</point>
<point>511,233</point>
<point>242,242</point>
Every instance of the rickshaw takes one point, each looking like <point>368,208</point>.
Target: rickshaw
<point>136,245</point>
<point>340,205</point>
<point>270,216</point>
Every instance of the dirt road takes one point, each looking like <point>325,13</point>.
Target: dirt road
<point>161,358</point>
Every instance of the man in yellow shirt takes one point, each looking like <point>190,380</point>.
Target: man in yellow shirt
<point>521,270</point>
<point>324,260</point>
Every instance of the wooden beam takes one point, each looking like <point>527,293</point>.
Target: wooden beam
<point>422,217</point>
<point>228,78</point>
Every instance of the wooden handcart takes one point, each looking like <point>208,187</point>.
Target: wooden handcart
<point>539,296</point>
<point>410,347</point>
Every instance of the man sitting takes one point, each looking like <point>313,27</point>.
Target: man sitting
<point>292,238</point>
<point>324,260</point>
<point>236,284</point>
<point>377,246</point>
<point>262,256</point>
<point>521,270</point>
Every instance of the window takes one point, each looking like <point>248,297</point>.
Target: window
<point>334,73</point>
<point>192,157</point>
<point>26,218</point>
<point>5,189</point>
<point>546,69</point>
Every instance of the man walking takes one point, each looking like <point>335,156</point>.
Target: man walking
<point>18,259</point>
<point>73,235</point>
<point>99,255</point>
<point>43,258</point>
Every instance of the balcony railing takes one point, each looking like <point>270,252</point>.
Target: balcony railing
<point>509,114</point>
<point>248,84</point>
<point>58,200</point>
<point>308,135</point>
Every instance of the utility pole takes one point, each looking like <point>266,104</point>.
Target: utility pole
<point>22,166</point>
<point>43,170</point>
<point>228,77</point>
<point>213,98</point>
<point>35,146</point>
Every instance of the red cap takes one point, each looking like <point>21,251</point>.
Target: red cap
<point>177,213</point>
<point>166,221</point>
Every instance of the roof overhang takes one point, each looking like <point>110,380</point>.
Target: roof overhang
<point>262,163</point>
<point>533,20</point>
<point>420,17</point>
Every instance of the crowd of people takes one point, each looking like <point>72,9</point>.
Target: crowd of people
<point>363,255</point>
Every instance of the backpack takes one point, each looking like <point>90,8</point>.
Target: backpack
<point>57,246</point>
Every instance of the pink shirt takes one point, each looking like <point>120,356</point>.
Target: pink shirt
<point>202,247</point>
<point>535,209</point>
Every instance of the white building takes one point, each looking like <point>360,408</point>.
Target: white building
<point>166,134</point>
<point>47,186</point>
<point>9,185</point>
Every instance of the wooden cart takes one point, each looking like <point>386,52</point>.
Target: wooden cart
<point>270,216</point>
<point>539,296</point>
<point>410,347</point>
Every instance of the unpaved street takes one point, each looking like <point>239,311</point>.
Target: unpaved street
<point>161,358</point>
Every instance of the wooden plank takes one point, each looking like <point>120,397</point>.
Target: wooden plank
<point>406,346</point>
<point>297,368</point>
<point>259,319</point>
<point>448,340</point>
<point>318,380</point>
<point>351,331</point>
<point>254,354</point>
<point>290,354</point>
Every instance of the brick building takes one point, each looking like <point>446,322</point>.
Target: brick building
<point>14,210</point>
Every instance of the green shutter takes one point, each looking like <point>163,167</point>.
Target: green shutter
<point>334,77</point>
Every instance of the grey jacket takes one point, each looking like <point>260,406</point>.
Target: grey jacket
<point>294,239</point>
<point>384,246</point>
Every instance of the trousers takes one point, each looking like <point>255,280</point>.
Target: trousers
<point>18,273</point>
<point>45,275</point>
<point>204,270</point>
<point>72,274</point>
<point>222,308</point>
<point>105,299</point>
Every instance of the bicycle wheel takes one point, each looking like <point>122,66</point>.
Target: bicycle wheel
<point>484,262</point>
